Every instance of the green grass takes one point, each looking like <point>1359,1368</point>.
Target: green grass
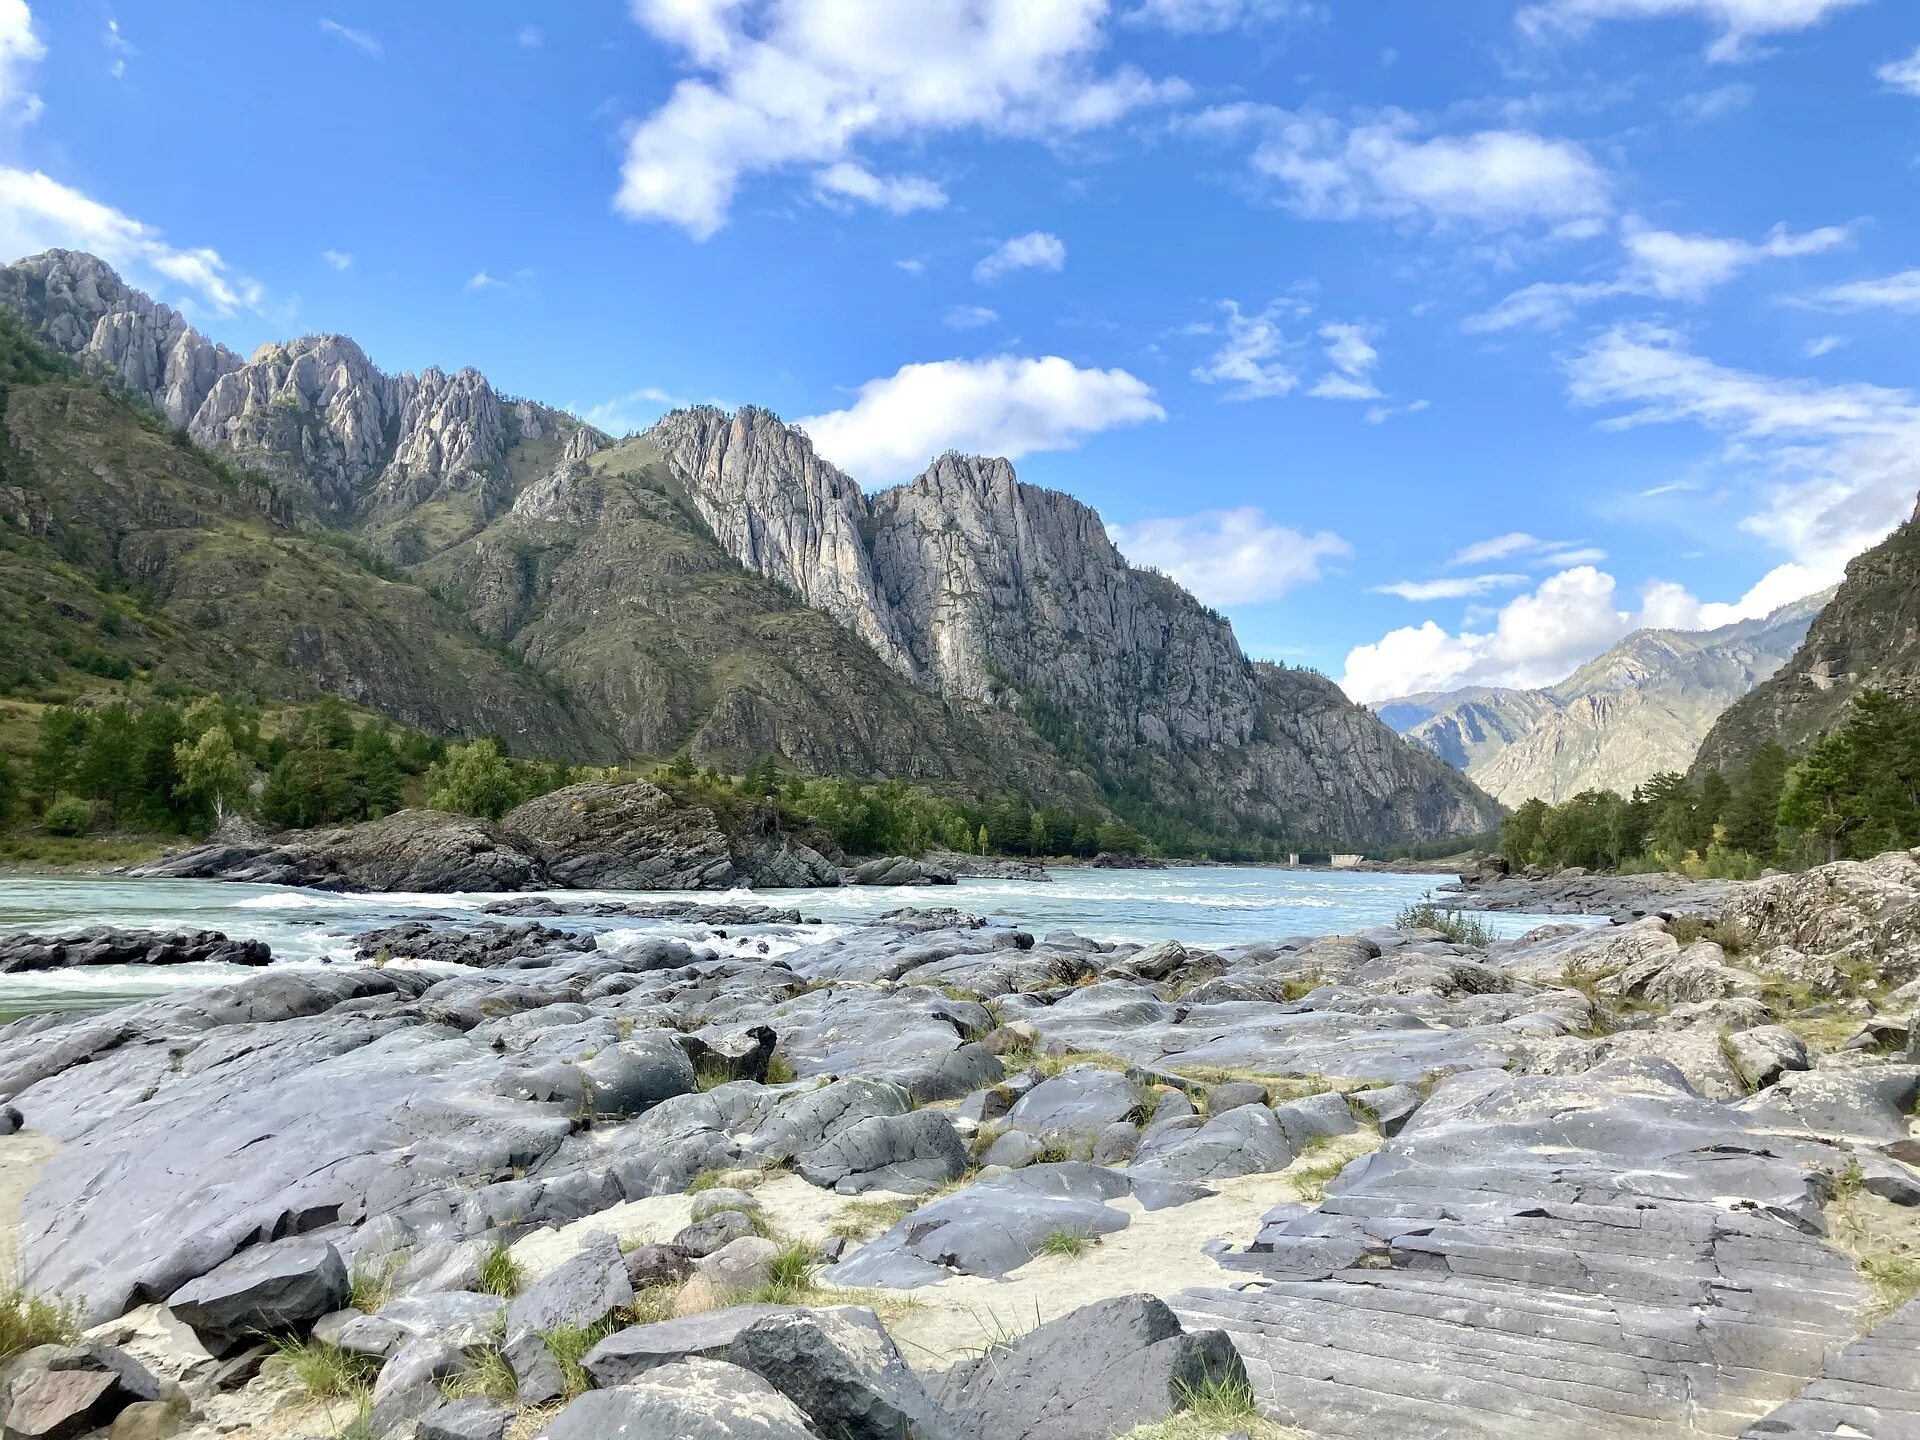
<point>706,1180</point>
<point>1688,928</point>
<point>569,1344</point>
<point>27,1320</point>
<point>83,852</point>
<point>1461,929</point>
<point>368,1290</point>
<point>326,1372</point>
<point>790,1279</point>
<point>1312,1180</point>
<point>1217,1399</point>
<point>500,1273</point>
<point>488,1376</point>
<point>780,1070</point>
<point>1070,1243</point>
<point>861,1219</point>
<point>1895,1280</point>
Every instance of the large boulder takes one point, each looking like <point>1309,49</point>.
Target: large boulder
<point>1075,1105</point>
<point>1866,909</point>
<point>1247,1140</point>
<point>687,1400</point>
<point>910,1154</point>
<point>262,1290</point>
<point>106,945</point>
<point>409,850</point>
<point>1089,1375</point>
<point>843,1369</point>
<point>627,1354</point>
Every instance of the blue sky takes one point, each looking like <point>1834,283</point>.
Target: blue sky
<point>1435,343</point>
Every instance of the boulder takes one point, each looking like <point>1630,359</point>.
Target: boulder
<point>898,870</point>
<point>627,1354</point>
<point>1231,1096</point>
<point>582,1291</point>
<point>263,1289</point>
<point>650,1265</point>
<point>693,1399</point>
<point>711,1232</point>
<point>1248,1140</point>
<point>1313,1118</point>
<point>1097,1372</point>
<point>409,850</point>
<point>734,1270</point>
<point>107,945</point>
<point>910,1154</point>
<point>1390,1106</point>
<point>473,1418</point>
<point>632,1076</point>
<point>1076,1104</point>
<point>842,1368</point>
<point>1765,1053</point>
<point>1867,1103</point>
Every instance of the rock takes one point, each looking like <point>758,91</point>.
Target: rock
<point>1012,1149</point>
<point>62,1404</point>
<point>580,1292</point>
<point>106,945</point>
<point>650,1265</point>
<point>473,1418</point>
<point>409,850</point>
<point>458,1317</point>
<point>358,1333</point>
<point>637,1073</point>
<point>537,1376</point>
<point>150,1419</point>
<point>842,1368</point>
<point>1869,1104</point>
<point>627,1354</point>
<point>1248,1140</point>
<point>898,870</point>
<point>734,1270</point>
<point>1101,1370</point>
<point>10,1120</point>
<point>707,1235</point>
<point>1391,1106</point>
<point>483,947</point>
<point>416,1364</point>
<point>1222,1098</point>
<point>910,1154</point>
<point>1075,1104</point>
<point>687,1400</point>
<point>1115,1144</point>
<point>1869,909</point>
<point>1765,1053</point>
<point>263,1289</point>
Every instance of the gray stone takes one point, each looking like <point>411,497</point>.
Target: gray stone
<point>265,1288</point>
<point>473,1418</point>
<point>707,1235</point>
<point>908,1153</point>
<point>650,1265</point>
<point>1765,1053</point>
<point>842,1368</point>
<point>1391,1106</point>
<point>1075,1104</point>
<point>358,1333</point>
<point>1101,1370</point>
<point>417,1363</point>
<point>638,1073</point>
<point>1222,1098</point>
<point>581,1291</point>
<point>692,1399</point>
<point>629,1353</point>
<point>1314,1118</point>
<point>459,1317</point>
<point>1244,1141</point>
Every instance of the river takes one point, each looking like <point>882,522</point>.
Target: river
<point>1214,905</point>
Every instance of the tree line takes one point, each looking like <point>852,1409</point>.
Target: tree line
<point>1854,794</point>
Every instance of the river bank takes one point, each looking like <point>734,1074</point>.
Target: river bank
<point>637,1176</point>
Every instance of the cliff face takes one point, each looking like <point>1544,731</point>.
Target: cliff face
<point>1011,598</point>
<point>1867,637</point>
<point>717,586</point>
<point>357,445</point>
<point>1640,708</point>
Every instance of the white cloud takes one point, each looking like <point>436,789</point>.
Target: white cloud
<point>913,265</point>
<point>1353,359</point>
<point>1036,250</point>
<point>631,412</point>
<point>1002,405</point>
<point>1499,547</point>
<point>787,84</point>
<point>1740,22</point>
<point>39,213</point>
<point>970,317</point>
<point>1385,169</point>
<point>1212,17</point>
<point>1836,466</point>
<point>1658,264</point>
<point>338,259</point>
<point>530,37</point>
<point>1456,587</point>
<point>1887,292</point>
<point>898,195</point>
<point>1712,104</point>
<point>119,49</point>
<point>483,281</point>
<point>1902,75</point>
<point>1823,345</point>
<point>20,50</point>
<point>362,40</point>
<point>1251,357</point>
<point>1230,557</point>
<point>1380,414</point>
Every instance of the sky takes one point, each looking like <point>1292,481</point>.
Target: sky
<point>1436,344</point>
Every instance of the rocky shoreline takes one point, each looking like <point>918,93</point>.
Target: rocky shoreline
<point>1617,897</point>
<point>943,1177</point>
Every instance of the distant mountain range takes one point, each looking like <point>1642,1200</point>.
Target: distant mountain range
<point>300,521</point>
<point>1640,708</point>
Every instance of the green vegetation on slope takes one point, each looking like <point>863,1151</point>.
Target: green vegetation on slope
<point>1854,793</point>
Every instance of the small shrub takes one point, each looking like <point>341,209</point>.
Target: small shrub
<point>500,1273</point>
<point>1727,935</point>
<point>69,816</point>
<point>27,1320</point>
<point>368,1290</point>
<point>1062,1241</point>
<point>1460,928</point>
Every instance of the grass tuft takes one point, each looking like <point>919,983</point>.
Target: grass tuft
<point>500,1273</point>
<point>488,1376</point>
<point>27,1320</point>
<point>1895,1280</point>
<point>862,1219</point>
<point>790,1279</point>
<point>1062,1241</point>
<point>368,1290</point>
<point>1217,1399</point>
<point>569,1344</point>
<point>780,1070</point>
<point>326,1372</point>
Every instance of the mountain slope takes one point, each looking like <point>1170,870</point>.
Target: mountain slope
<point>715,586</point>
<point>1868,636</point>
<point>1640,708</point>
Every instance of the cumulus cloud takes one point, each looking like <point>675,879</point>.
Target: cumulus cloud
<point>483,281</point>
<point>1352,359</point>
<point>1902,75</point>
<point>1036,250</point>
<point>1887,292</point>
<point>1452,587</point>
<point>1001,405</point>
<point>39,213</point>
<point>898,194</point>
<point>1837,465</point>
<point>1739,22</point>
<point>1251,359</point>
<point>1213,17</point>
<point>20,50</point>
<point>364,41</point>
<point>786,83</point>
<point>1230,557</point>
<point>1657,264</point>
<point>1386,168</point>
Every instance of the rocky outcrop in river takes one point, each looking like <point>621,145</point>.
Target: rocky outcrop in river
<point>1645,1179</point>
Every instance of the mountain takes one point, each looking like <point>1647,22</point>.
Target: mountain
<point>1868,636</point>
<point>1640,708</point>
<point>713,585</point>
